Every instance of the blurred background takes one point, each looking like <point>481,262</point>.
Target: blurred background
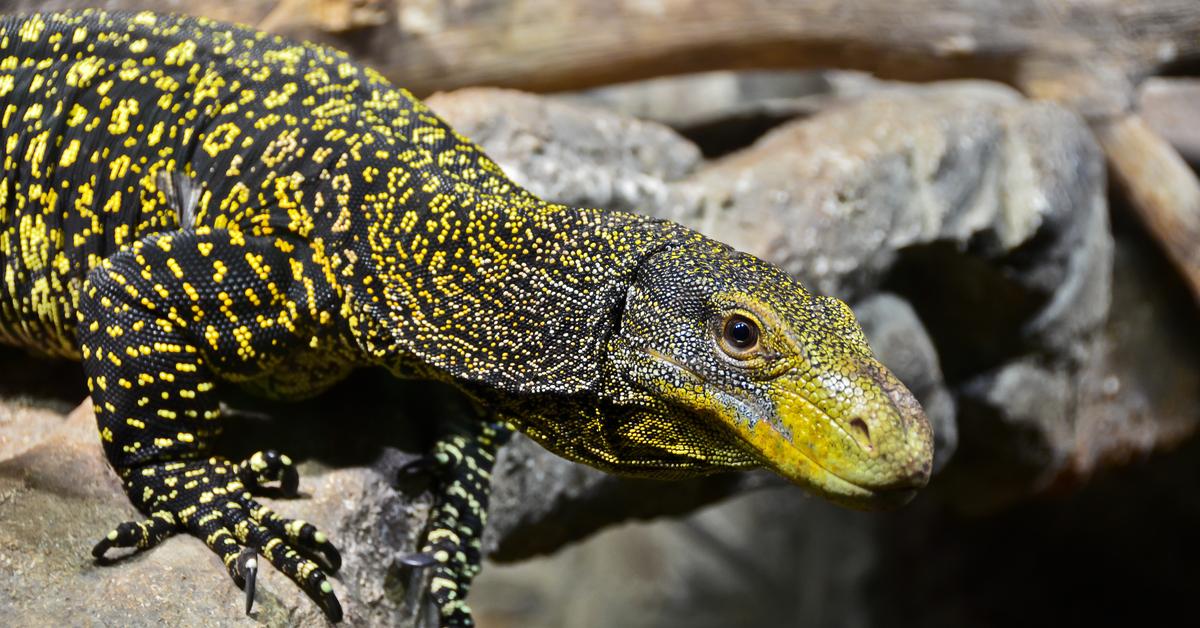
<point>1004,190</point>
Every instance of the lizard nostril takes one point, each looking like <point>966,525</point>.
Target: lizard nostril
<point>860,426</point>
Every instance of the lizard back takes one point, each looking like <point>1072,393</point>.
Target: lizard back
<point>96,106</point>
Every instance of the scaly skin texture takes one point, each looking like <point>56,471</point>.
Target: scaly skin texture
<point>188,205</point>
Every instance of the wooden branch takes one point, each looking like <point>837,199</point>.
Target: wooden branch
<point>1171,106</point>
<point>565,44</point>
<point>543,45</point>
<point>1162,190</point>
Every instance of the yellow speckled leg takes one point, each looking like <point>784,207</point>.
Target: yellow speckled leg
<point>453,544</point>
<point>159,321</point>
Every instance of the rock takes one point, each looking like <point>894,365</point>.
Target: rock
<point>959,197</point>
<point>60,497</point>
<point>719,111</point>
<point>775,558</point>
<point>34,402</point>
<point>573,501</point>
<point>726,111</point>
<point>689,100</point>
<point>771,558</point>
<point>24,422</point>
<point>1141,388</point>
<point>835,197</point>
<point>571,154</point>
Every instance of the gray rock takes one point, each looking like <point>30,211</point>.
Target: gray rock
<point>690,100</point>
<point>541,502</point>
<point>725,111</point>
<point>963,197</point>
<point>24,422</point>
<point>576,155</point>
<point>58,497</point>
<point>833,198</point>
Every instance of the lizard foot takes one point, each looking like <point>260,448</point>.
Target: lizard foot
<point>463,465</point>
<point>212,500</point>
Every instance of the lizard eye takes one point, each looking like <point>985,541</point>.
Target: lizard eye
<point>739,336</point>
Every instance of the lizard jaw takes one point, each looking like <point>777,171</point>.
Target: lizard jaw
<point>763,439</point>
<point>798,467</point>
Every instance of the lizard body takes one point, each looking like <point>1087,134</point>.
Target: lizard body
<point>187,204</point>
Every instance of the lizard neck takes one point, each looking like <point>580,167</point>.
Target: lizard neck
<point>505,295</point>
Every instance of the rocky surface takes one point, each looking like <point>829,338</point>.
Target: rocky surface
<point>966,225</point>
<point>572,154</point>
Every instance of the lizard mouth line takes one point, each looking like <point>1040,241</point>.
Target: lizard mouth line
<point>855,489</point>
<point>846,486</point>
<point>670,361</point>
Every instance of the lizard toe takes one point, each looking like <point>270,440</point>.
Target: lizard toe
<point>142,535</point>
<point>269,466</point>
<point>301,534</point>
<point>277,540</point>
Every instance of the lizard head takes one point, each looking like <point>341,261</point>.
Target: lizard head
<point>747,368</point>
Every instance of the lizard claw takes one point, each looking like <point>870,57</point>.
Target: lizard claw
<point>419,560</point>
<point>247,563</point>
<point>416,466</point>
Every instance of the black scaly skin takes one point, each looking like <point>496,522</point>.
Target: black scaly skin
<point>188,205</point>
